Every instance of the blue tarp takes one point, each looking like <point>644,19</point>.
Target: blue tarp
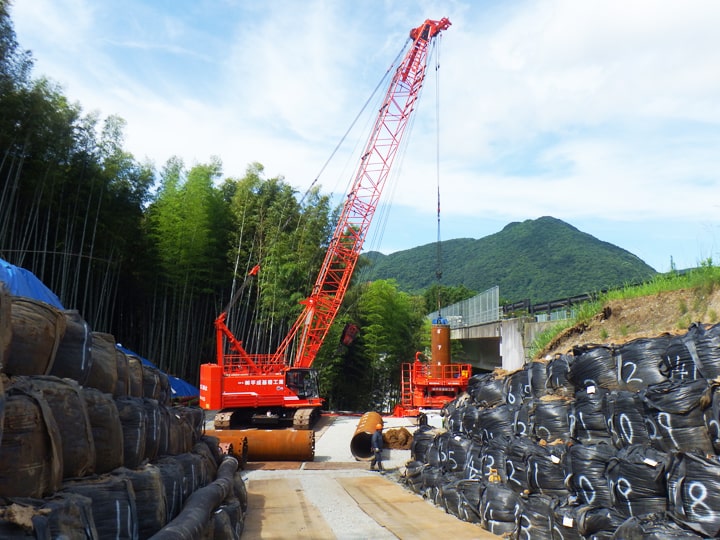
<point>22,282</point>
<point>180,388</point>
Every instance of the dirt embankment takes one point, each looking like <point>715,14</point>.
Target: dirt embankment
<point>649,316</point>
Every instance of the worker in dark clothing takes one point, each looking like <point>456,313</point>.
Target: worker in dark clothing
<point>376,444</point>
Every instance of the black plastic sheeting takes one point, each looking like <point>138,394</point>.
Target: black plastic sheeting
<point>609,442</point>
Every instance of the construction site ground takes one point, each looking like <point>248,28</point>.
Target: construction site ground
<point>337,496</point>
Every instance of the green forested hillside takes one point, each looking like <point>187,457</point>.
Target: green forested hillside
<point>542,259</point>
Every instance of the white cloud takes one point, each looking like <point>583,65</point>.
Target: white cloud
<point>587,110</point>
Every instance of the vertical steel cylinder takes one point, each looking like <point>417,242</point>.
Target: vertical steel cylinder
<point>270,444</point>
<point>440,342</point>
<point>360,442</point>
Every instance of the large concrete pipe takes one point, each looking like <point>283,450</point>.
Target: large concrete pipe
<point>360,442</point>
<point>270,444</point>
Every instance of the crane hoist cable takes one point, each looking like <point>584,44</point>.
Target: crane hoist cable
<point>438,262</point>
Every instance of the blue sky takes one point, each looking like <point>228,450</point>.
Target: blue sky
<point>605,114</point>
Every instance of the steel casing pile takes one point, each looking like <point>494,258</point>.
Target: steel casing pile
<point>91,447</point>
<point>605,442</point>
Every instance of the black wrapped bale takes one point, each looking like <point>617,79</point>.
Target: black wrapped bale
<point>588,422</point>
<point>173,476</point>
<point>207,462</point>
<point>551,418</point>
<point>487,389</point>
<point>516,463</point>
<point>31,450</point>
<point>500,510</point>
<point>674,415</point>
<point>37,329</point>
<point>565,520</point>
<point>5,324</point>
<point>132,419</point>
<point>458,447</point>
<point>195,419</point>
<point>432,478</point>
<point>712,418</point>
<point>422,440</point>
<point>191,522</point>
<point>151,382</point>
<point>103,370</point>
<point>598,522</point>
<point>707,349</point>
<point>546,470</point>
<point>594,365</point>
<point>213,445</point>
<point>73,358</point>
<point>413,475</point>
<point>227,522</point>
<point>454,420</point>
<point>449,498</point>
<point>65,398</point>
<point>680,359</point>
<point>62,516</point>
<point>523,419</point>
<point>470,494</point>
<point>518,387</point>
<point>537,378</point>
<point>437,452</point>
<point>122,387</point>
<point>180,433</point>
<point>496,422</point>
<point>469,419</point>
<point>153,428</point>
<point>494,460</point>
<point>637,480</point>
<point>106,429</point>
<point>166,392</point>
<point>536,519</point>
<point>653,526</point>
<point>558,372</point>
<point>149,498</point>
<point>694,493</point>
<point>193,477</point>
<point>473,463</point>
<point>639,362</point>
<point>624,413</point>
<point>113,504</point>
<point>135,376</point>
<point>586,464</point>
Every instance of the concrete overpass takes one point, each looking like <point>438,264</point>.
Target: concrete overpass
<point>491,341</point>
<point>504,343</point>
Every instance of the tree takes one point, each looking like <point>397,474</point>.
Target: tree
<point>440,296</point>
<point>366,375</point>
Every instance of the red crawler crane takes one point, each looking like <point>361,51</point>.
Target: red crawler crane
<point>280,387</point>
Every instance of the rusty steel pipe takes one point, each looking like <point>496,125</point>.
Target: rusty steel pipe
<point>360,442</point>
<point>270,444</point>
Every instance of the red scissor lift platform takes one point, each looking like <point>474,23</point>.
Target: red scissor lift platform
<point>426,386</point>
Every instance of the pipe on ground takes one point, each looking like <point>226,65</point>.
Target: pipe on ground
<point>270,444</point>
<point>191,521</point>
<point>360,442</point>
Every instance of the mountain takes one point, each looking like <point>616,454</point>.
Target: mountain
<point>541,260</point>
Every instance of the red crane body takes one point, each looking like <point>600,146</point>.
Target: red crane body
<point>278,386</point>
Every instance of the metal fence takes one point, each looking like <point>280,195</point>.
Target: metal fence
<point>482,308</point>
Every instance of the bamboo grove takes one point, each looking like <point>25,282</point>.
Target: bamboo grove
<point>152,256</point>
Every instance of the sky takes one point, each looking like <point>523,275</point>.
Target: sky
<point>604,114</point>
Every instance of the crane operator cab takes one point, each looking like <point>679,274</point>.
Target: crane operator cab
<point>303,381</point>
